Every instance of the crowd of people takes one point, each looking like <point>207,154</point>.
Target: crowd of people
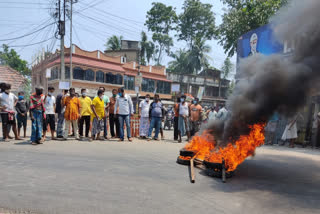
<point>71,114</point>
<point>79,116</point>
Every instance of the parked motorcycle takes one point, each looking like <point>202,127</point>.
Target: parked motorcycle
<point>168,123</point>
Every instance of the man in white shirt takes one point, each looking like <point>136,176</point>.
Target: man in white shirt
<point>144,117</point>
<point>50,105</point>
<point>183,122</point>
<point>125,110</point>
<point>222,113</point>
<point>7,111</point>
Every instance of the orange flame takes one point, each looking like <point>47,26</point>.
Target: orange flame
<point>233,154</point>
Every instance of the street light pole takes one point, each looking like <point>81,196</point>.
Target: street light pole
<point>70,73</point>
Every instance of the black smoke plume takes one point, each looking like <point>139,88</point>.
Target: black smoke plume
<point>276,83</point>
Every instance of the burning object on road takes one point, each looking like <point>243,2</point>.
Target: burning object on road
<point>221,161</point>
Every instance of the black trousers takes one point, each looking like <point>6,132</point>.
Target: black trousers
<point>175,128</point>
<point>84,119</point>
<point>114,122</point>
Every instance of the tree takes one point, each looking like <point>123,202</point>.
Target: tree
<point>196,23</point>
<point>114,43</point>
<point>12,59</point>
<point>180,64</point>
<point>161,20</point>
<point>243,16</point>
<point>198,56</point>
<point>226,68</point>
<point>146,49</point>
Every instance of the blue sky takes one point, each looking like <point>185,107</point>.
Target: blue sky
<point>94,22</point>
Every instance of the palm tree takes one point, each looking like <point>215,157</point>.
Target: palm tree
<point>114,43</point>
<point>149,51</point>
<point>181,63</point>
<point>198,57</point>
<point>146,49</point>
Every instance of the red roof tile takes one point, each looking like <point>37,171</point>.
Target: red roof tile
<point>13,77</point>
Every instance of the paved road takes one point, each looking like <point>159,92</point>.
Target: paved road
<point>142,177</point>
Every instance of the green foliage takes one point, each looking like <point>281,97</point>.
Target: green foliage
<point>196,22</point>
<point>161,20</point>
<point>243,16</point>
<point>146,49</point>
<point>231,88</point>
<point>181,63</point>
<point>227,68</point>
<point>114,43</point>
<point>191,61</point>
<point>12,59</point>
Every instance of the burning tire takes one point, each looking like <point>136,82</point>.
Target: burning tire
<point>187,153</point>
<point>184,160</point>
<point>218,174</point>
<point>215,170</point>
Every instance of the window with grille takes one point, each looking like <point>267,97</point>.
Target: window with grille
<point>147,85</point>
<point>89,75</point>
<point>99,76</point>
<point>129,82</point>
<point>163,87</point>
<point>78,73</point>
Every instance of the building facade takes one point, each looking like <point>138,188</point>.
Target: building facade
<point>215,88</point>
<point>92,69</point>
<point>129,51</point>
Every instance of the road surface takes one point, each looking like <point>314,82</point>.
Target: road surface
<point>143,177</point>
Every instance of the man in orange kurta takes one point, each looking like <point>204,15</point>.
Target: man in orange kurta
<point>72,113</point>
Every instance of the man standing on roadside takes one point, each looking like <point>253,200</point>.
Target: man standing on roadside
<point>176,118</point>
<point>106,106</point>
<point>183,119</point>
<point>113,120</point>
<point>22,108</point>
<point>124,103</point>
<point>7,109</point>
<point>195,116</point>
<point>60,111</point>
<point>144,107</point>
<point>50,105</point>
<point>37,115</point>
<point>85,116</point>
<point>98,110</point>
<point>72,113</point>
<point>156,113</point>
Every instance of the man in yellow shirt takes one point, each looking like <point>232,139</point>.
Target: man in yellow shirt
<point>98,110</point>
<point>86,103</point>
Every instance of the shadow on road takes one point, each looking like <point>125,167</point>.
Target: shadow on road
<point>23,143</point>
<point>294,178</point>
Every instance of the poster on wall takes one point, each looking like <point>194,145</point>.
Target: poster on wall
<point>175,87</point>
<point>259,41</point>
<point>200,93</point>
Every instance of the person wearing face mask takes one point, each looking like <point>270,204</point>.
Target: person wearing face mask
<point>49,105</point>
<point>37,115</point>
<point>156,113</point>
<point>106,107</point>
<point>195,116</point>
<point>7,110</point>
<point>98,109</point>
<point>183,122</point>
<point>144,107</point>
<point>85,114</point>
<point>125,105</point>
<point>22,108</point>
<point>72,113</point>
<point>60,111</point>
<point>113,120</point>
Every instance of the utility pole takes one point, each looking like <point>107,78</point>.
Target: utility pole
<point>71,74</point>
<point>62,33</point>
